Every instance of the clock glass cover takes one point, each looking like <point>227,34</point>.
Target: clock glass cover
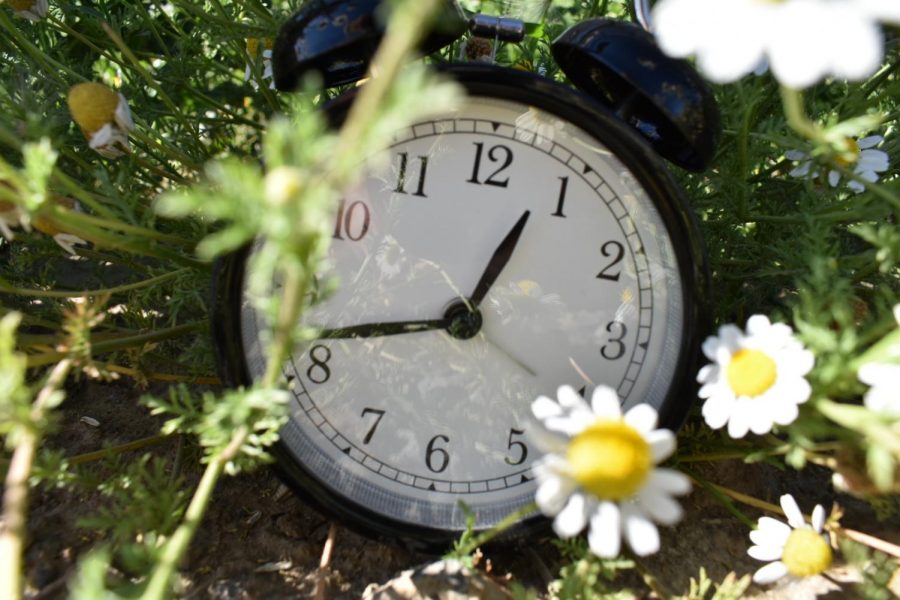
<point>521,242</point>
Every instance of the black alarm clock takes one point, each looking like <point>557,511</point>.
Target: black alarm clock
<point>530,238</point>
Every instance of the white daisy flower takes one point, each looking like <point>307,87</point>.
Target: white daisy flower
<point>602,471</point>
<point>756,379</point>
<point>867,162</point>
<point>884,394</point>
<point>253,47</point>
<point>103,116</point>
<point>33,10</point>
<point>803,41</point>
<point>794,548</point>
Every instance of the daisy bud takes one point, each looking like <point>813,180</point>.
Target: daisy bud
<point>283,184</point>
<point>103,117</point>
<point>33,10</point>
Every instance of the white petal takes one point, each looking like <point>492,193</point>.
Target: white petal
<point>818,518</point>
<point>543,408</point>
<point>765,553</point>
<point>642,417</point>
<point>641,533</point>
<point>801,171</point>
<point>552,494</point>
<point>708,373</point>
<point>769,573</point>
<point>669,481</point>
<point>833,178</point>
<point>869,141</point>
<point>771,532</point>
<point>717,411</point>
<point>568,425</point>
<point>605,535</point>
<point>758,325</point>
<point>570,399</point>
<point>784,413</point>
<point>739,421</point>
<point>605,402</point>
<point>710,347</point>
<point>659,506</point>
<point>791,511</point>
<point>796,155</point>
<point>572,519</point>
<point>122,116</point>
<point>760,420</point>
<point>662,444</point>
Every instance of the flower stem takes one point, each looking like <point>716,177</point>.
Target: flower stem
<point>486,536</point>
<point>88,457</point>
<point>15,496</point>
<point>792,100</point>
<point>177,545</point>
<point>78,294</point>
<point>37,360</point>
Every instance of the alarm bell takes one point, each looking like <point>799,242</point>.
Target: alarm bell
<point>337,39</point>
<point>663,98</point>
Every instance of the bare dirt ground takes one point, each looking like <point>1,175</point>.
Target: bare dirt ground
<point>259,541</point>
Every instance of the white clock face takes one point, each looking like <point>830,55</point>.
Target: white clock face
<point>408,424</point>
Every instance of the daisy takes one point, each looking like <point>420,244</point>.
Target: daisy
<point>794,548</point>
<point>66,241</point>
<point>756,379</point>
<point>253,45</point>
<point>103,117</point>
<point>867,162</point>
<point>803,41</point>
<point>602,472</point>
<point>33,10</point>
<point>884,394</point>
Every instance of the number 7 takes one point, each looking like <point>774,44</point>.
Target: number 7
<point>380,414</point>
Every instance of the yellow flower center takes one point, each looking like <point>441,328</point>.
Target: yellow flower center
<point>92,105</point>
<point>850,154</point>
<point>253,44</point>
<point>610,459</point>
<point>805,553</point>
<point>751,372</point>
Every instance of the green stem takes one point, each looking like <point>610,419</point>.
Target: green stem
<point>792,100</point>
<point>15,495</point>
<point>859,418</point>
<point>742,454</point>
<point>70,216</point>
<point>120,449</point>
<point>724,496</point>
<point>486,536</point>
<point>73,294</point>
<point>37,360</point>
<point>177,545</point>
<point>152,82</point>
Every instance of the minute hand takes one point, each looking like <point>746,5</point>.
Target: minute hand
<point>382,329</point>
<point>498,260</point>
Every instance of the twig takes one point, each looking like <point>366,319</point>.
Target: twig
<point>327,550</point>
<point>15,498</point>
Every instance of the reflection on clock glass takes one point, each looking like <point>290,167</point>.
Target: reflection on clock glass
<point>410,402</point>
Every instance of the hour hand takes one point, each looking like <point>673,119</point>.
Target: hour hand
<point>382,329</point>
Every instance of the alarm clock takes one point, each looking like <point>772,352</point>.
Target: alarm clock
<point>530,238</point>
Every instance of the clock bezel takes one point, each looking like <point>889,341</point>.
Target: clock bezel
<point>651,173</point>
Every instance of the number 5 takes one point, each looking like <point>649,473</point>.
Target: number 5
<point>523,449</point>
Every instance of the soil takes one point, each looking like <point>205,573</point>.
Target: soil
<point>260,541</point>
